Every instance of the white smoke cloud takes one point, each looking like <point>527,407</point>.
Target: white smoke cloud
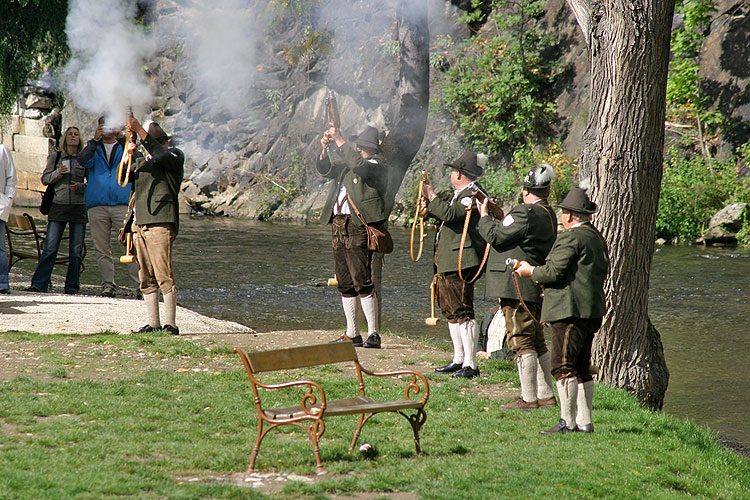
<point>104,75</point>
<point>220,46</point>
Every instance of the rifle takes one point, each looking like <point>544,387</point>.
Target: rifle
<point>493,207</point>
<point>332,118</point>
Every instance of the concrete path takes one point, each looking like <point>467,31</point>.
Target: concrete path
<point>49,313</point>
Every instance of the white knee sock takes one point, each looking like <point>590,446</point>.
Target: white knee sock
<point>458,348</point>
<point>585,403</point>
<point>567,390</point>
<point>527,368</point>
<point>469,336</point>
<point>351,310</point>
<point>152,308</point>
<point>170,308</point>
<point>545,383</point>
<point>370,308</point>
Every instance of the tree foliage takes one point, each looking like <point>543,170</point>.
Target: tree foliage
<point>32,39</point>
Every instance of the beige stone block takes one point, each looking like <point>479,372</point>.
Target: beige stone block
<point>32,145</point>
<point>34,128</point>
<point>7,137</point>
<point>33,182</point>
<point>39,102</point>
<point>27,199</point>
<point>26,162</point>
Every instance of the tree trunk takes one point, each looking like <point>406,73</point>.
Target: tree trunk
<point>622,156</point>
<point>402,143</point>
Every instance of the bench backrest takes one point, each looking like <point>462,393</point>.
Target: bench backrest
<point>301,357</point>
<point>20,221</point>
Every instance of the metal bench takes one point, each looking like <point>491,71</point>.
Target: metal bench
<point>314,406</point>
<point>25,241</point>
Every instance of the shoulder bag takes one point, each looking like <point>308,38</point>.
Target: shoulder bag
<point>49,194</point>
<point>378,238</point>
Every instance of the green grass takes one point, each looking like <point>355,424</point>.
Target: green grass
<point>141,436</point>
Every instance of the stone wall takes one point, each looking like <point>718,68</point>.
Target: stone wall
<point>29,134</point>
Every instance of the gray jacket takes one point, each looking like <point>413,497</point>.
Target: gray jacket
<point>76,173</point>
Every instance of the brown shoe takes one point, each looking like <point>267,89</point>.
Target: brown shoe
<point>587,428</point>
<point>560,428</point>
<point>546,402</point>
<point>520,404</point>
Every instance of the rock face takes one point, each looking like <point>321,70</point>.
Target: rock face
<point>251,153</point>
<point>725,224</point>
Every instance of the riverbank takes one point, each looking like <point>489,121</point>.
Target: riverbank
<point>157,416</point>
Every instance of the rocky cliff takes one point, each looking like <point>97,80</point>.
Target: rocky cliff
<point>250,153</point>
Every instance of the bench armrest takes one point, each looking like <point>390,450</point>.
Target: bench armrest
<point>413,387</point>
<point>312,404</point>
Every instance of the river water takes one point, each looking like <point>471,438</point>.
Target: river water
<point>273,277</point>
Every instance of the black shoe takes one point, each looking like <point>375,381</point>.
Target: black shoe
<point>466,372</point>
<point>357,341</point>
<point>560,428</point>
<point>108,290</point>
<point>147,329</point>
<point>449,368</point>
<point>373,341</point>
<point>173,330</point>
<point>34,289</point>
<point>138,295</point>
<point>70,291</point>
<point>5,290</point>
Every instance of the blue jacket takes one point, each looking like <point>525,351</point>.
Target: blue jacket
<point>102,175</point>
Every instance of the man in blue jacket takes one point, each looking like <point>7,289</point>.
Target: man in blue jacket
<point>106,201</point>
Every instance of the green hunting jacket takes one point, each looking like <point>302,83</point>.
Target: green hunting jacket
<point>448,238</point>
<point>156,182</point>
<point>527,233</point>
<point>573,275</point>
<point>365,181</point>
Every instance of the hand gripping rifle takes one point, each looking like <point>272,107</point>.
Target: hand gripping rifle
<point>332,118</point>
<point>123,170</point>
<point>419,215</point>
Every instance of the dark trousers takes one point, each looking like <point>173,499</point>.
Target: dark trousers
<point>525,335</point>
<point>41,278</point>
<point>455,297</point>
<point>571,347</point>
<point>352,259</point>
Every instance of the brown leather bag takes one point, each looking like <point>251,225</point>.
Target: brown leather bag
<point>378,238</point>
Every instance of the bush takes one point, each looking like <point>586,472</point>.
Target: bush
<point>692,192</point>
<point>497,88</point>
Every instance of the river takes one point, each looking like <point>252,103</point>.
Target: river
<point>273,276</point>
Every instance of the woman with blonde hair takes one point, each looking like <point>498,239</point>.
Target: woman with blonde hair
<point>68,207</point>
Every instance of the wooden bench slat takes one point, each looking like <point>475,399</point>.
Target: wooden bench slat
<point>349,406</point>
<point>301,357</point>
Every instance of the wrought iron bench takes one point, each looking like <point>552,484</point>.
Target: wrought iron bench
<point>314,406</point>
<point>25,241</point>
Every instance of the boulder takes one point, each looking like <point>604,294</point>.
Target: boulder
<point>725,224</point>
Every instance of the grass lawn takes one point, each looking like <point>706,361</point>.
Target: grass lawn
<point>167,431</point>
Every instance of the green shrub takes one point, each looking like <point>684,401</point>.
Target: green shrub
<point>497,88</point>
<point>691,192</point>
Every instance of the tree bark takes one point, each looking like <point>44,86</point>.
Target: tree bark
<point>403,141</point>
<point>622,156</point>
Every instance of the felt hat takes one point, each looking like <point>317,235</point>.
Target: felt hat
<point>367,139</point>
<point>155,131</point>
<point>467,164</point>
<point>578,201</point>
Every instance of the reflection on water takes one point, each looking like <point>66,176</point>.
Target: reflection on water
<point>272,277</point>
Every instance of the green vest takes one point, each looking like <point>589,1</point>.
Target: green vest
<point>448,238</point>
<point>527,233</point>
<point>156,182</point>
<point>364,179</point>
<point>573,276</point>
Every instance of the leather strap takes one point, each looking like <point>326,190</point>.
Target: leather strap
<point>467,220</point>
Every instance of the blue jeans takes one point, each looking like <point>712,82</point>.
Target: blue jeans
<point>43,272</point>
<point>4,285</point>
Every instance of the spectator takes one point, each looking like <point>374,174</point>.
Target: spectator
<point>68,207</point>
<point>8,181</point>
<point>106,201</point>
